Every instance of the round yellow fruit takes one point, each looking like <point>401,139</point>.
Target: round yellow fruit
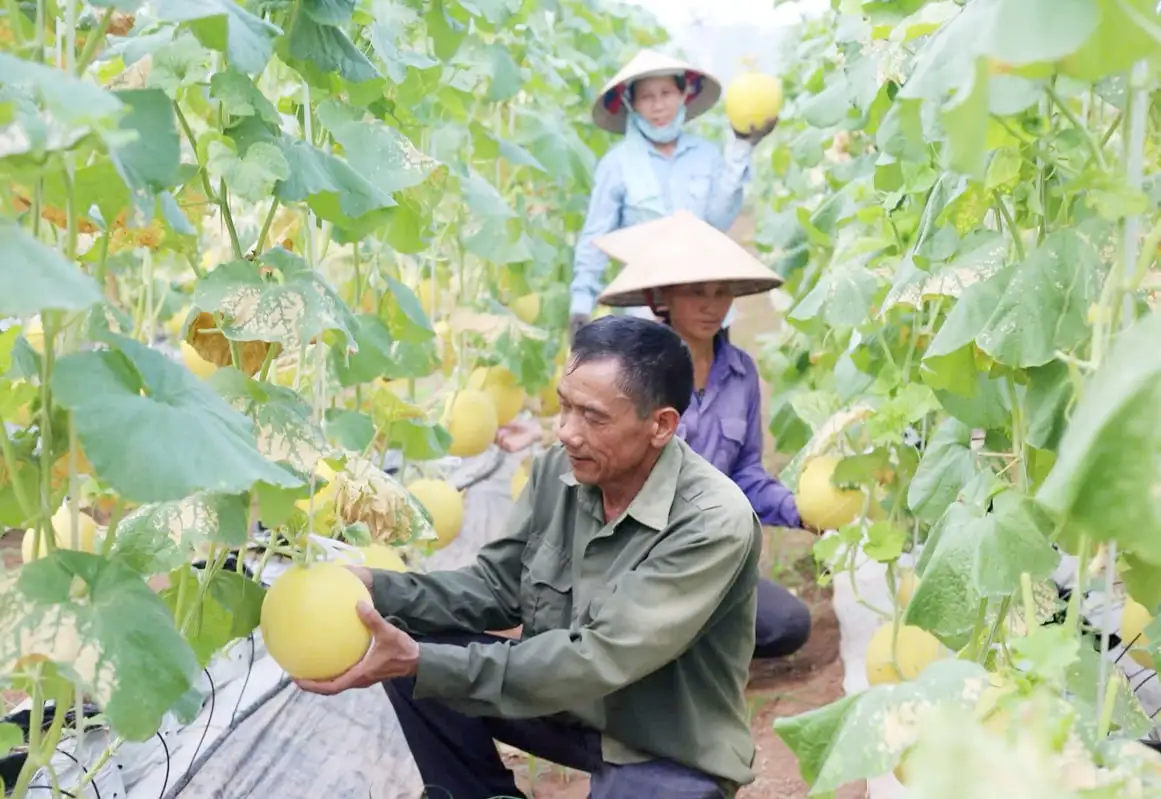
<point>381,556</point>
<point>519,480</point>
<point>309,622</point>
<point>905,587</point>
<point>500,384</point>
<point>1135,617</point>
<point>195,362</point>
<point>915,650</point>
<point>753,100</point>
<point>62,533</point>
<point>445,505</point>
<point>526,308</point>
<point>820,504</point>
<point>470,418</point>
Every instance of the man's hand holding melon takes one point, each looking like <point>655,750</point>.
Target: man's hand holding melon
<point>753,103</point>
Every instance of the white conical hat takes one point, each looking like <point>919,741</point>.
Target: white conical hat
<point>677,250</point>
<point>609,111</point>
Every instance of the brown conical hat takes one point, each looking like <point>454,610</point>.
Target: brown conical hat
<point>609,111</point>
<point>676,250</point>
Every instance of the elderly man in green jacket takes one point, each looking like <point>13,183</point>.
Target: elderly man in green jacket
<point>632,565</point>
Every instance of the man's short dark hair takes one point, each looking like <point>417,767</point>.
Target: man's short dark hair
<point>656,369</point>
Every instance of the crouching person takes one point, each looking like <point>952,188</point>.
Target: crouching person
<point>632,565</point>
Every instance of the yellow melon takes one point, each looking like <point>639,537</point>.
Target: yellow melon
<point>915,650</point>
<point>309,621</point>
<point>470,417</point>
<point>752,101</point>
<point>500,384</point>
<point>820,503</point>
<point>445,505</point>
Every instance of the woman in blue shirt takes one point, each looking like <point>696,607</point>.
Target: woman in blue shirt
<point>688,273</point>
<point>657,169</point>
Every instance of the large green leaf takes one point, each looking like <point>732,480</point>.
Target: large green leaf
<point>160,536</point>
<point>183,437</point>
<point>150,163</point>
<point>380,153</point>
<point>947,465</point>
<point>225,26</point>
<point>1109,462</point>
<point>865,735</point>
<point>143,666</point>
<point>34,278</point>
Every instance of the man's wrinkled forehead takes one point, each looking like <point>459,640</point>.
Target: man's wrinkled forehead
<point>595,385</point>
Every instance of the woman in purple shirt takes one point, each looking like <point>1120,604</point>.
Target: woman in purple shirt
<point>689,273</point>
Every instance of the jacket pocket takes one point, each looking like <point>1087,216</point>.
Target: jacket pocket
<point>733,438</point>
<point>546,590</point>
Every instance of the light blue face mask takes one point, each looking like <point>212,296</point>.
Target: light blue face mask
<point>663,135</point>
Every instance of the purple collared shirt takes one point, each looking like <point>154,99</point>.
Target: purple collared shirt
<point>724,426</point>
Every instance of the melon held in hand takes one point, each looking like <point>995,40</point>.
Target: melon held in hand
<point>309,622</point>
<point>753,100</point>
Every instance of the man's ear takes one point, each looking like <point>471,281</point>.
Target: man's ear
<point>665,423</point>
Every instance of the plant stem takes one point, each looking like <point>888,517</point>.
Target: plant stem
<point>1092,144</point>
<point>1017,242</point>
<point>96,37</point>
<point>260,243</point>
<point>228,218</point>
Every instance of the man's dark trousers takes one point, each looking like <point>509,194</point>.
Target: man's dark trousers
<point>457,756</point>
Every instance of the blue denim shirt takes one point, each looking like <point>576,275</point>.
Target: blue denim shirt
<point>725,427</point>
<point>696,178</point>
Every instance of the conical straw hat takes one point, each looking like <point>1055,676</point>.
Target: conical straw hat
<point>677,250</point>
<point>609,111</point>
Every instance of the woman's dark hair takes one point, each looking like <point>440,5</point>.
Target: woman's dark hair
<point>677,79</point>
<point>655,368</point>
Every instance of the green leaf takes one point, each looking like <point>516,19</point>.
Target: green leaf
<point>290,306</point>
<point>11,737</point>
<point>350,430</point>
<point>1031,31</point>
<point>150,163</point>
<point>145,666</point>
<point>947,465</point>
<point>329,50</point>
<point>966,120</point>
<point>985,403</point>
<point>252,176</point>
<point>446,34</point>
<point>34,278</point>
<point>1109,462</point>
<point>506,77</point>
<point>283,427</point>
<point>223,25</point>
<point>945,602</point>
<point>69,109</point>
<point>419,440</point>
<point>811,735</point>
<point>329,12</point>
<point>865,735</point>
<point>885,541</point>
<point>228,610</point>
<point>1046,401</point>
<point>381,154</point>
<point>373,357</point>
<point>333,189</point>
<point>241,98</point>
<point>1010,540</point>
<point>184,437</point>
<point>842,296</point>
<point>150,536</point>
<point>1128,31</point>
